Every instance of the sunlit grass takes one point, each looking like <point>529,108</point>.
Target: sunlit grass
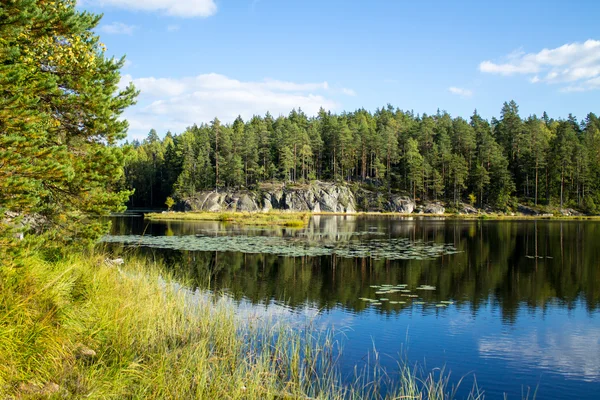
<point>300,219</point>
<point>84,327</point>
<point>274,218</point>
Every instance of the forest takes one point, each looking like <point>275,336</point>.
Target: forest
<point>536,161</point>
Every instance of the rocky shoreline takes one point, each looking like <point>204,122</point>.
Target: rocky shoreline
<point>325,197</point>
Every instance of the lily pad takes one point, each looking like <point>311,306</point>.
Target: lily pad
<point>389,248</point>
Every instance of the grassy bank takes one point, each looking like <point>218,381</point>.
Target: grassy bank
<point>273,218</point>
<point>300,219</point>
<point>85,327</point>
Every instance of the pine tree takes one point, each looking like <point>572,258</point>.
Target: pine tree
<point>414,162</point>
<point>537,142</point>
<point>59,124</point>
<point>563,150</point>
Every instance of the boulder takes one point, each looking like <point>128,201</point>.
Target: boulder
<point>569,212</point>
<point>525,210</point>
<point>246,203</point>
<point>401,204</point>
<point>434,208</point>
<point>465,208</point>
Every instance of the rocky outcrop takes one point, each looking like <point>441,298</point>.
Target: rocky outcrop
<point>401,204</point>
<point>434,208</point>
<point>316,197</point>
<point>431,208</point>
<point>529,211</point>
<point>569,212</point>
<point>464,208</point>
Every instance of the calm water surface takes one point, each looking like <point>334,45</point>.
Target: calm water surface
<point>525,294</point>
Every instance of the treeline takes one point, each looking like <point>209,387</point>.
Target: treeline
<point>541,161</point>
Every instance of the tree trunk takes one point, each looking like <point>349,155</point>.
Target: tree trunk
<point>562,185</point>
<point>536,183</point>
<point>217,161</point>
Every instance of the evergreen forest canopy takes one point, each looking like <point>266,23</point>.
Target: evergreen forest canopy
<point>540,161</point>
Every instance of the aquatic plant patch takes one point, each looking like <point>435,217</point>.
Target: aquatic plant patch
<point>390,249</point>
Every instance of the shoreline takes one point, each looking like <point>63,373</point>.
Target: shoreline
<point>300,218</point>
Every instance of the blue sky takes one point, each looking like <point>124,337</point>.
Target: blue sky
<point>197,59</point>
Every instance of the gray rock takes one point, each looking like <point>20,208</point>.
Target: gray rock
<point>50,388</point>
<point>316,197</point>
<point>214,202</point>
<point>525,210</point>
<point>266,203</point>
<point>402,204</point>
<point>569,212</point>
<point>116,261</point>
<point>465,208</point>
<point>246,203</point>
<point>84,352</point>
<point>434,208</point>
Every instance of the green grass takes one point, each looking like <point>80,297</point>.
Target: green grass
<point>153,338</point>
<point>274,218</point>
<point>300,219</point>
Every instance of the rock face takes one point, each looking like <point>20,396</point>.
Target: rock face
<point>401,204</point>
<point>569,212</point>
<point>316,197</point>
<point>434,208</point>
<point>465,208</point>
<point>525,210</point>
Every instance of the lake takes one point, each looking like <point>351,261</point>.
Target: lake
<point>514,304</point>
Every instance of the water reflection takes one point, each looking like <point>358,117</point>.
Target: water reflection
<point>574,350</point>
<point>508,263</point>
<point>525,294</point>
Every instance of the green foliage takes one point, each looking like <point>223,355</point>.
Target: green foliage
<point>169,203</point>
<point>432,157</point>
<point>472,198</point>
<point>59,118</point>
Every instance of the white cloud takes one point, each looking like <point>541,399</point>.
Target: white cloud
<point>177,8</point>
<point>173,28</point>
<point>572,352</point>
<point>590,84</point>
<point>575,63</point>
<point>348,92</point>
<point>169,103</point>
<point>118,28</point>
<point>462,92</point>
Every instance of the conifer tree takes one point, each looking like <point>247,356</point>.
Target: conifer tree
<point>59,117</point>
